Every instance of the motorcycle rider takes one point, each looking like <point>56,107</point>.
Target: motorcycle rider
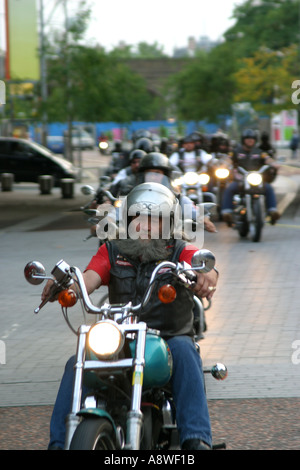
<point>251,158</point>
<point>134,162</point>
<point>190,158</point>
<point>156,167</point>
<point>145,144</point>
<point>119,159</point>
<point>265,145</point>
<point>125,265</point>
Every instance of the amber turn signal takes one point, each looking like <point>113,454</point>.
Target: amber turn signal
<point>167,294</point>
<point>67,298</point>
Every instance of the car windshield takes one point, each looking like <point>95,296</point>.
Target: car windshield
<point>40,147</point>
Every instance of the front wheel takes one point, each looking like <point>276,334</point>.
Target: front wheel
<point>93,434</point>
<point>257,222</point>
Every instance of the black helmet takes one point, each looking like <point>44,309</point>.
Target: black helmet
<point>142,133</point>
<point>196,136</point>
<point>156,161</point>
<point>144,144</point>
<point>249,134</point>
<point>188,138</point>
<point>136,154</point>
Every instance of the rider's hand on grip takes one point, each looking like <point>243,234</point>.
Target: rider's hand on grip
<point>49,294</point>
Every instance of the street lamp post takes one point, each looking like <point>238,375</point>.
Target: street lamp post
<point>43,73</point>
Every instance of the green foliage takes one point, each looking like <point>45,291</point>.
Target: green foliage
<point>143,50</point>
<point>265,79</point>
<point>203,90</point>
<point>272,24</point>
<point>98,87</point>
<point>257,63</point>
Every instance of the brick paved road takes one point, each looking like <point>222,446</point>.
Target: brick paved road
<point>252,324</point>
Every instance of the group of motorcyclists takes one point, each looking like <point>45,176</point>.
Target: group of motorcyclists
<point>196,153</point>
<point>146,180</point>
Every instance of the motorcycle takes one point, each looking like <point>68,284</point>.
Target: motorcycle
<point>126,365</point>
<point>220,176</point>
<point>249,204</point>
<point>195,187</point>
<point>100,196</point>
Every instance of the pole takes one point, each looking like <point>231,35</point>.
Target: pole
<point>43,72</point>
<point>7,57</point>
<point>69,152</point>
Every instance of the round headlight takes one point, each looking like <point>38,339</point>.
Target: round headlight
<point>204,178</point>
<point>254,179</point>
<point>105,339</point>
<point>103,145</point>
<point>191,178</point>
<point>222,173</point>
<point>176,182</point>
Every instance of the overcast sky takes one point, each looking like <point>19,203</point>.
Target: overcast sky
<point>167,22</point>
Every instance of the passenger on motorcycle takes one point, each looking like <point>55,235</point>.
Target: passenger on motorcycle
<point>125,265</point>
<point>190,158</point>
<point>251,158</point>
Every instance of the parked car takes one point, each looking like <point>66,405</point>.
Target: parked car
<point>55,143</point>
<point>82,139</point>
<point>28,160</point>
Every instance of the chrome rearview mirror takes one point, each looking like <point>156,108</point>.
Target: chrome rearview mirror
<point>34,272</point>
<point>208,207</point>
<point>203,261</point>
<point>87,190</point>
<point>219,371</point>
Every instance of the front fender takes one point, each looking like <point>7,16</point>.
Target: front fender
<point>96,412</point>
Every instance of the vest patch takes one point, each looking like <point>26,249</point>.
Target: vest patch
<point>121,261</point>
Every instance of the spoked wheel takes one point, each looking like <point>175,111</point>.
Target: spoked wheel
<point>257,222</point>
<point>93,434</point>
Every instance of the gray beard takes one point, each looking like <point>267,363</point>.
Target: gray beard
<point>144,250</point>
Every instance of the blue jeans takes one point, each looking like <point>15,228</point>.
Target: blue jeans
<point>233,188</point>
<point>187,387</point>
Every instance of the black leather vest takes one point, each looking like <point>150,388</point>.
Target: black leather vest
<point>129,280</point>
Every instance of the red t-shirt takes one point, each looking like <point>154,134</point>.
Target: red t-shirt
<point>101,265</point>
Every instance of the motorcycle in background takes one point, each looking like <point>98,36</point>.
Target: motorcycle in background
<point>220,177</point>
<point>125,365</point>
<point>249,204</point>
<point>195,187</point>
<point>100,196</point>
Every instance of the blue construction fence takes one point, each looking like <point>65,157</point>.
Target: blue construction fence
<point>117,131</point>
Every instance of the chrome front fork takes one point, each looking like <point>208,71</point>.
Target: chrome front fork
<point>73,419</point>
<point>134,416</point>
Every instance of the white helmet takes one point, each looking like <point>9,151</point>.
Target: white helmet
<point>152,199</point>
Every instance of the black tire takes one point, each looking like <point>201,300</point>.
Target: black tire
<point>243,227</point>
<point>257,221</point>
<point>93,434</point>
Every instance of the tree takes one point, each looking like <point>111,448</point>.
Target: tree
<point>203,90</point>
<point>257,63</point>
<point>265,79</point>
<point>102,88</point>
<point>142,50</point>
<point>271,24</point>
